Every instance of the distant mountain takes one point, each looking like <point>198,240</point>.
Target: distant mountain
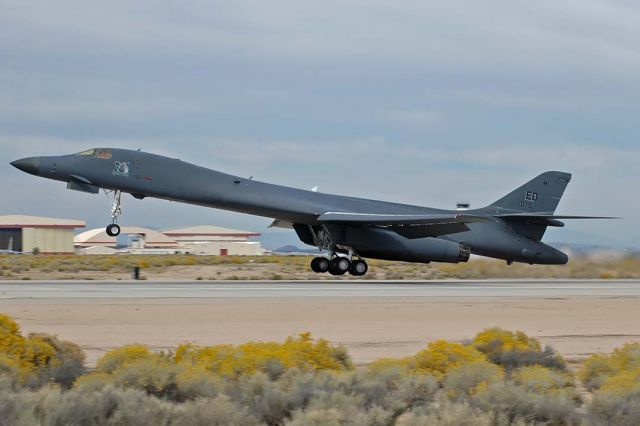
<point>287,249</point>
<point>594,250</point>
<point>273,240</point>
<point>294,249</point>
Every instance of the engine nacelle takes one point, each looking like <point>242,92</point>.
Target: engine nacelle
<point>380,243</point>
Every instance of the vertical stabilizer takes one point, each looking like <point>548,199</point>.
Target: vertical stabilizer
<point>540,195</point>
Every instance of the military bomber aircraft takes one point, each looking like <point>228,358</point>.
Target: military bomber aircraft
<point>348,229</point>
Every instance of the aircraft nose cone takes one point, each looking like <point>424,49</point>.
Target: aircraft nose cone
<point>28,165</point>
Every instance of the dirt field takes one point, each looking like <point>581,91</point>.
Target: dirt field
<point>370,328</point>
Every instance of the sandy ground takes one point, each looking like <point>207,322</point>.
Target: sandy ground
<point>369,327</point>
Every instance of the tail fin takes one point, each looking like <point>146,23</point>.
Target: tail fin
<point>540,195</point>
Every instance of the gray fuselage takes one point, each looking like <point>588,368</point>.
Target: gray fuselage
<point>149,175</point>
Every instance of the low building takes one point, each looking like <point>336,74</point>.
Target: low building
<point>198,240</point>
<point>28,234</point>
<point>216,241</point>
<point>139,238</point>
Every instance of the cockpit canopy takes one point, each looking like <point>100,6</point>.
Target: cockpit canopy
<point>103,154</point>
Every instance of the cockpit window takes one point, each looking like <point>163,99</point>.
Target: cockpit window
<point>104,154</point>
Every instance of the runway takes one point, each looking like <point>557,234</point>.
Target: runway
<point>372,319</point>
<point>317,289</point>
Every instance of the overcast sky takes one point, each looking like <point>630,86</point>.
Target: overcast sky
<point>421,102</point>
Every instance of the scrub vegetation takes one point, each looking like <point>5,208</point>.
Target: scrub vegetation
<point>498,378</point>
<point>26,267</point>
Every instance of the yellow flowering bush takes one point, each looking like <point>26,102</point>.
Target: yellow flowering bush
<point>11,339</point>
<point>300,351</point>
<point>496,340</point>
<point>441,356</point>
<point>385,364</point>
<point>613,372</point>
<point>116,358</point>
<point>30,354</point>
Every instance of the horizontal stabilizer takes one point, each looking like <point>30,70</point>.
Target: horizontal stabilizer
<point>549,216</point>
<point>546,219</point>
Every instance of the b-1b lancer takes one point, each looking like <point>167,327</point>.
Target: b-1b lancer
<point>348,229</point>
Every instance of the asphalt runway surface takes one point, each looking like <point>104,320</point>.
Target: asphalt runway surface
<point>372,319</point>
<point>317,289</point>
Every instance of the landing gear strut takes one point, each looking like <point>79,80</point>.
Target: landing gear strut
<point>113,230</point>
<point>341,260</point>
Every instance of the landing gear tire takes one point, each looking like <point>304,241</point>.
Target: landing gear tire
<point>339,266</point>
<point>320,265</point>
<point>113,230</point>
<point>358,268</point>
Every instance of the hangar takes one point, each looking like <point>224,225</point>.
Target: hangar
<point>141,238</point>
<point>200,240</point>
<point>26,234</point>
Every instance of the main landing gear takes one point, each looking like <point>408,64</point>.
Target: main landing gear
<point>339,266</point>
<point>336,264</point>
<point>113,230</point>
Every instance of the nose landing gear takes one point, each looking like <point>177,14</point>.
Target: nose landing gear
<point>113,230</point>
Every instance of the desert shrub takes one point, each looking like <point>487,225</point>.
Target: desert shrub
<point>620,409</point>
<point>513,403</point>
<point>69,363</point>
<point>38,358</point>
<point>115,358</point>
<point>441,356</point>
<point>543,380</point>
<point>219,411</point>
<point>194,382</point>
<point>263,398</point>
<point>468,380</point>
<point>341,409</point>
<point>10,371</point>
<point>598,369</point>
<point>416,390</point>
<point>624,381</point>
<point>109,406</point>
<point>548,358</point>
<point>449,414</point>
<point>156,376</point>
<point>401,365</point>
<point>513,350</point>
<point>496,340</point>
<point>393,392</point>
<point>595,371</point>
<point>296,352</point>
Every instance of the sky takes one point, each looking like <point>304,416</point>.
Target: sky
<point>422,102</point>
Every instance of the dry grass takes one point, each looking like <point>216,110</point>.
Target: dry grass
<point>29,267</point>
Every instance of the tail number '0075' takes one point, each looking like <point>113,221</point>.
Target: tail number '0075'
<point>529,198</point>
